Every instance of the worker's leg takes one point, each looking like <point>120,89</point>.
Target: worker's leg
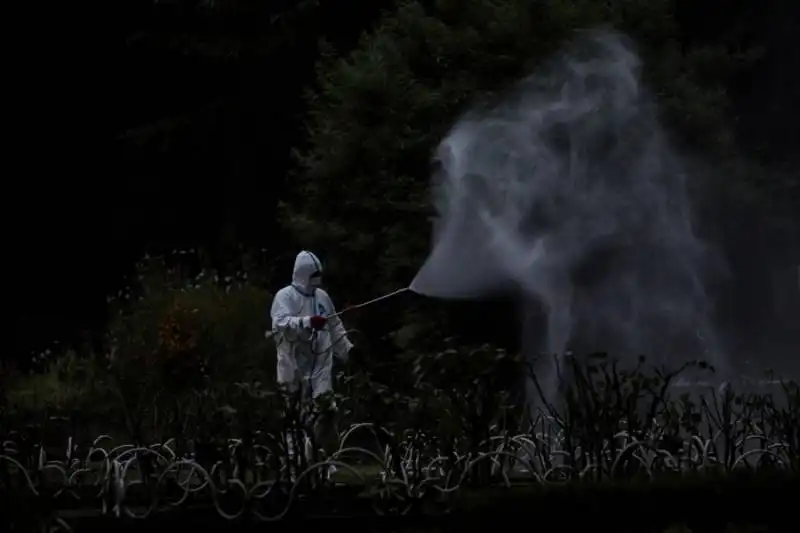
<point>293,411</point>
<point>326,431</point>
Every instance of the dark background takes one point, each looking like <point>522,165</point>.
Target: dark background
<point>140,139</point>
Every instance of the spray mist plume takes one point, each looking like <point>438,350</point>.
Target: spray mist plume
<point>567,190</point>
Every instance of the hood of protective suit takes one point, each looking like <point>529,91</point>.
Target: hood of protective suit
<point>306,264</point>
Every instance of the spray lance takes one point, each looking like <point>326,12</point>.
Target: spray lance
<point>370,302</point>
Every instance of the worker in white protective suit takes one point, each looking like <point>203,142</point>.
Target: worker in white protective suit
<point>307,338</point>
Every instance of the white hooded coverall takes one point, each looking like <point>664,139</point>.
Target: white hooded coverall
<point>305,356</point>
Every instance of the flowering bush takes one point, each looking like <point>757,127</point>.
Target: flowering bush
<point>176,334</point>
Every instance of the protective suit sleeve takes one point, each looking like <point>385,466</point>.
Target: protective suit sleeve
<point>284,322</point>
<point>341,343</point>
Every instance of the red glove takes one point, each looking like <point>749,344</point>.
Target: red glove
<point>318,322</point>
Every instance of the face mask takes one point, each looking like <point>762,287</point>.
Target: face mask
<point>315,282</point>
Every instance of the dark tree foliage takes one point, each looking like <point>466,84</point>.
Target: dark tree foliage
<point>210,106</point>
<point>203,100</point>
<point>376,115</point>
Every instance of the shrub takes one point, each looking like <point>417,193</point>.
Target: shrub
<point>69,383</point>
<point>175,334</point>
<point>182,327</point>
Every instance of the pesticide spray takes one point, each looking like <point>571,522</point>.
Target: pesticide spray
<point>567,189</point>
